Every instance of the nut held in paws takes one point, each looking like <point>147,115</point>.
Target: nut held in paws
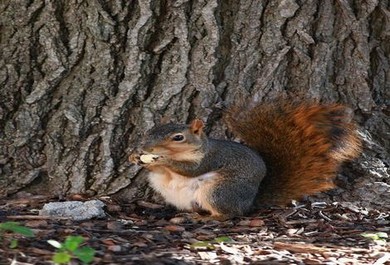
<point>149,158</point>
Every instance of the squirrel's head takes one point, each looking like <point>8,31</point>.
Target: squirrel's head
<point>182,142</point>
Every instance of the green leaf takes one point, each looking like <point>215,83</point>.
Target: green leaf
<point>382,235</point>
<point>85,254</point>
<point>16,228</point>
<point>54,243</point>
<point>13,243</point>
<point>201,245</point>
<point>376,236</point>
<point>223,239</point>
<point>73,242</point>
<point>61,258</point>
<point>372,236</point>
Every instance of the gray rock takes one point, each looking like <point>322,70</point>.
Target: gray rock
<point>74,209</point>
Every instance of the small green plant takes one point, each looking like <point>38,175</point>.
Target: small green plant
<point>71,248</point>
<point>377,237</point>
<point>210,245</point>
<point>16,228</point>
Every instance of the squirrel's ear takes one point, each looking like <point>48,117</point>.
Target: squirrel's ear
<point>196,126</point>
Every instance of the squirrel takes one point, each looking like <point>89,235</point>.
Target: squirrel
<point>289,150</point>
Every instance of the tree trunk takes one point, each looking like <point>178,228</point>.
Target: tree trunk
<point>82,80</point>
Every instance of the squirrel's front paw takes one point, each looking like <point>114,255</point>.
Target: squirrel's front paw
<point>135,158</point>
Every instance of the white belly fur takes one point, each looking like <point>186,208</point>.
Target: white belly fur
<point>178,190</point>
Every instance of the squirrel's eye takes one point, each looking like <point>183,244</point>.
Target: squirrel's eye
<point>178,137</point>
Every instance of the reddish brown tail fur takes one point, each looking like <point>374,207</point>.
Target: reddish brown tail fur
<point>303,146</point>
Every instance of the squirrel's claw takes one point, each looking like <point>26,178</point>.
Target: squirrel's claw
<point>135,158</point>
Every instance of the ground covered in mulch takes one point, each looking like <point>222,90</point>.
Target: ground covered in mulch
<point>147,233</point>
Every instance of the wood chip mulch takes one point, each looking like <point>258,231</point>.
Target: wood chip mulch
<point>147,233</point>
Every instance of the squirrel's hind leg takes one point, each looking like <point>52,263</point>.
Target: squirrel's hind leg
<point>203,215</point>
<point>225,199</point>
<point>204,194</point>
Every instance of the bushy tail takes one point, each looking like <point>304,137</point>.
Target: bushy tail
<point>303,145</point>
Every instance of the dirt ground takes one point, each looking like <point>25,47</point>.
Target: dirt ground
<point>147,233</point>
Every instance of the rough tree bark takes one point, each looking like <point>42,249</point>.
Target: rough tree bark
<point>81,80</point>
